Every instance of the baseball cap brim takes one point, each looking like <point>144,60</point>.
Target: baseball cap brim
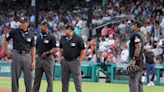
<point>69,27</point>
<point>23,19</point>
<point>136,23</point>
<point>45,23</point>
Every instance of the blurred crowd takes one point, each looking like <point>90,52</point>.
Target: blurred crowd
<point>112,44</point>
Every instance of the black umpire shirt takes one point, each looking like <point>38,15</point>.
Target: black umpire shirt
<point>45,42</point>
<point>22,41</point>
<point>132,43</point>
<point>71,46</point>
<point>132,47</point>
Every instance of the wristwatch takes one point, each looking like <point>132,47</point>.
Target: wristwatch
<point>134,58</point>
<point>48,53</point>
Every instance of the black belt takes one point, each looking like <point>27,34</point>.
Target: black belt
<point>22,52</point>
<point>70,59</point>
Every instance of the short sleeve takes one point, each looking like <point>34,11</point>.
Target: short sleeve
<point>153,54</point>
<point>33,42</point>
<point>81,44</point>
<point>60,44</point>
<point>53,40</point>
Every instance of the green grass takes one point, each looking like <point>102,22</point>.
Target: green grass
<point>86,86</point>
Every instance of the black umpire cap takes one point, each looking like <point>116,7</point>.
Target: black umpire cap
<point>69,27</point>
<point>45,23</point>
<point>136,23</point>
<point>23,19</point>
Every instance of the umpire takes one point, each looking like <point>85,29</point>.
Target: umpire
<point>137,59</point>
<point>23,55</point>
<point>73,52</point>
<point>46,47</point>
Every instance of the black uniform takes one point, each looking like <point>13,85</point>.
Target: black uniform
<point>135,83</point>
<point>22,41</point>
<point>21,57</point>
<point>70,64</point>
<point>132,46</point>
<point>45,42</point>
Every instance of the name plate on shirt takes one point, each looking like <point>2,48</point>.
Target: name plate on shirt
<point>28,39</point>
<point>72,44</point>
<point>46,41</point>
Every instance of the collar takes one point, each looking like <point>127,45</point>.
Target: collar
<point>24,32</point>
<point>43,34</point>
<point>69,38</point>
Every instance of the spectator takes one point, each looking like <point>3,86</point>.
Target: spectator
<point>118,59</point>
<point>56,33</point>
<point>157,52</point>
<point>116,10</point>
<point>85,33</point>
<point>157,31</point>
<point>103,48</point>
<point>145,33</point>
<point>104,31</point>
<point>162,25</point>
<point>150,65</point>
<point>124,55</point>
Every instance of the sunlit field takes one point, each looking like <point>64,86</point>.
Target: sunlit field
<point>5,84</point>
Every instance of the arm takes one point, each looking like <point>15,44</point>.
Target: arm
<point>132,62</point>
<point>60,49</point>
<point>155,61</point>
<point>50,52</point>
<point>60,53</point>
<point>136,54</point>
<point>4,45</point>
<point>33,55</point>
<point>82,55</point>
<point>6,38</point>
<point>33,52</point>
<point>53,50</point>
<point>83,50</point>
<point>54,46</point>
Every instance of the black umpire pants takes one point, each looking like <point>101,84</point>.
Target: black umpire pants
<point>135,83</point>
<point>21,62</point>
<point>68,68</point>
<point>47,66</point>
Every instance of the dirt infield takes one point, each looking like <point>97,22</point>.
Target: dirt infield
<point>5,77</point>
<point>8,90</point>
<point>5,90</point>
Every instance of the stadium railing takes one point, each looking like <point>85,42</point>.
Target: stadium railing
<point>116,72</point>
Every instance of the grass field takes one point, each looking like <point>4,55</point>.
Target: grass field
<point>5,83</point>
